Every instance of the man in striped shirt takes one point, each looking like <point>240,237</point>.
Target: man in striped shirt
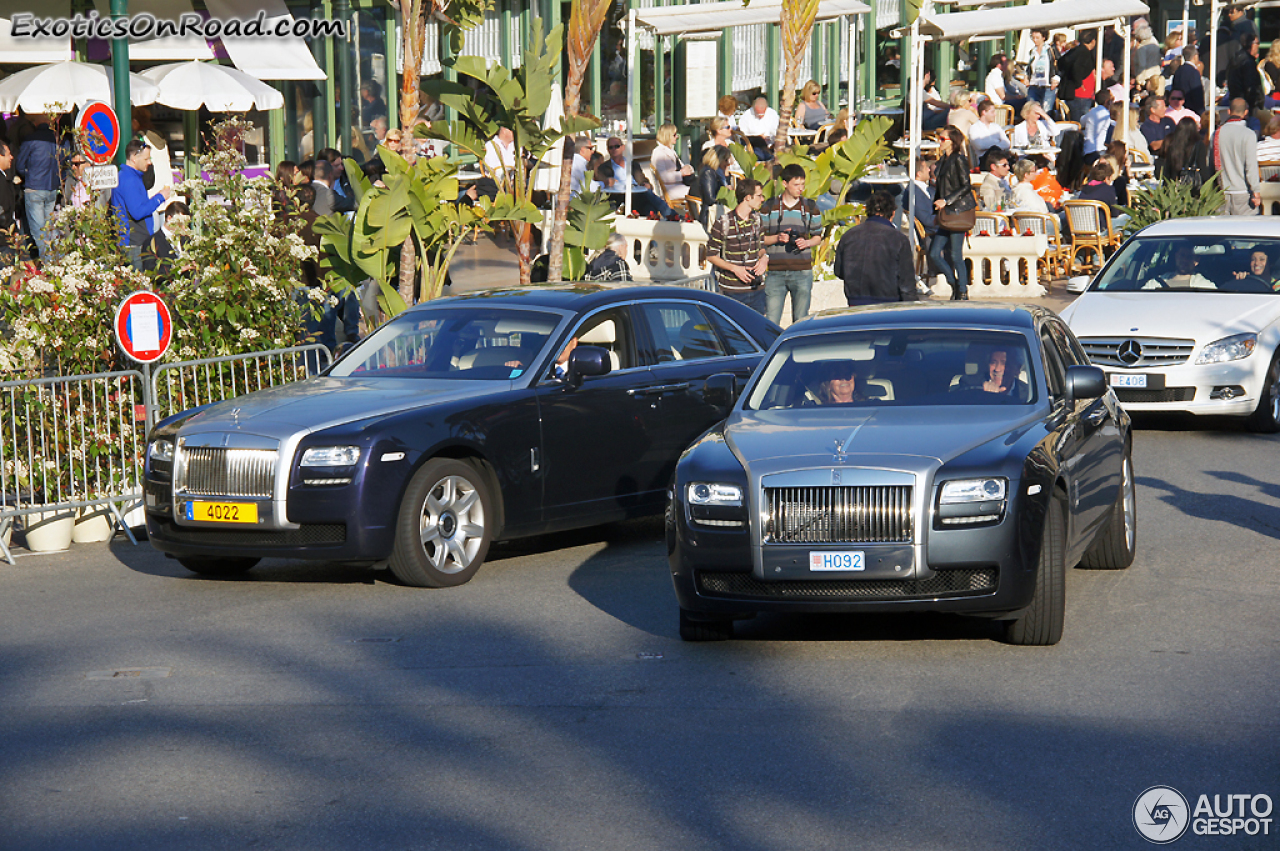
<point>735,247</point>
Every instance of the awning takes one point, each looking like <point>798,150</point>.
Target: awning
<point>713,17</point>
<point>273,58</point>
<point>1063,14</point>
<point>32,51</point>
<point>172,48</point>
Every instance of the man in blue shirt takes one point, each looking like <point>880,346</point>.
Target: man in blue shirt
<point>130,203</point>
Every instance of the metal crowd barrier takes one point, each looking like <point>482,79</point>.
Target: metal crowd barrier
<point>69,443</point>
<point>80,441</point>
<point>179,386</point>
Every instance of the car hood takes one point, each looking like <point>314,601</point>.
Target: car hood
<point>1203,317</point>
<point>809,437</point>
<point>320,403</point>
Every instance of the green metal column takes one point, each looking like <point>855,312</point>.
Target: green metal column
<point>833,66</point>
<point>348,98</point>
<point>772,53</point>
<point>323,95</point>
<point>120,80</point>
<point>904,52</point>
<point>291,121</point>
<point>275,126</point>
<point>595,77</point>
<point>679,107</point>
<point>867,68</point>
<point>446,61</point>
<point>392,94</point>
<point>329,90</point>
<point>504,37</point>
<point>637,90</point>
<point>817,43</point>
<point>946,65</point>
<point>191,144</point>
<point>724,63</point>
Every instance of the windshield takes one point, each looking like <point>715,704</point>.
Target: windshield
<point>470,343</point>
<point>905,368</point>
<point>1194,263</point>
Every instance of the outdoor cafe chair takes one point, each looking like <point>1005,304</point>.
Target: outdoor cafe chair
<point>1091,231</point>
<point>1055,259</point>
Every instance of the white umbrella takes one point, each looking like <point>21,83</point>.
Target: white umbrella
<point>548,176</point>
<point>62,86</point>
<point>219,88</point>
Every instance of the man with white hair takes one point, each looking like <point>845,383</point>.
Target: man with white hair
<point>760,125</point>
<point>610,264</point>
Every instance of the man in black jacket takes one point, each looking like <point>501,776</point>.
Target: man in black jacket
<point>1244,80</point>
<point>8,204</point>
<point>874,258</point>
<point>1073,70</point>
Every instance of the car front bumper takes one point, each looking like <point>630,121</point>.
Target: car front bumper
<point>1220,389</point>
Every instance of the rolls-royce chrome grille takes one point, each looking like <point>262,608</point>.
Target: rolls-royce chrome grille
<point>1137,352</point>
<point>879,514</point>
<point>219,471</point>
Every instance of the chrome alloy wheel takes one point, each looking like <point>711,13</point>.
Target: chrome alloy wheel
<point>452,526</point>
<point>1130,507</point>
<point>1275,396</point>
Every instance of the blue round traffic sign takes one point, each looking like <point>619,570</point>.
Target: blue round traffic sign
<point>101,129</point>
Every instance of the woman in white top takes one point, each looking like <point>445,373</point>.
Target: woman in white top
<point>666,163</point>
<point>727,108</point>
<point>1035,129</point>
<point>1025,197</point>
<point>985,133</point>
<point>962,115</point>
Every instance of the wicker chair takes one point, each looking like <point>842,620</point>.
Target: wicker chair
<point>922,250</point>
<point>1091,231</point>
<point>823,133</point>
<point>990,223</point>
<point>1004,115</point>
<point>1056,259</point>
<point>680,205</point>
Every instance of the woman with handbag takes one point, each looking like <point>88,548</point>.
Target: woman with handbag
<point>956,210</point>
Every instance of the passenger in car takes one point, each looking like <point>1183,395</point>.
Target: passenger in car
<point>1003,367</point>
<point>840,386</point>
<point>1261,268</point>
<point>1185,276</point>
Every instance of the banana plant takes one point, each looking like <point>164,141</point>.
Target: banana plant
<point>518,102</point>
<point>415,202</point>
<point>588,226</point>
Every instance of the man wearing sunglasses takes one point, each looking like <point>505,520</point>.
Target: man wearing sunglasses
<point>643,199</point>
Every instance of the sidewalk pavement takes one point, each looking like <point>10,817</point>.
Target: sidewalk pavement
<point>487,264</point>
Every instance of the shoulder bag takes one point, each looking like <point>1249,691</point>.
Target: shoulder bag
<point>959,216</point>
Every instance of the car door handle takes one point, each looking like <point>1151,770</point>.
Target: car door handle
<point>659,389</point>
<point>1096,418</point>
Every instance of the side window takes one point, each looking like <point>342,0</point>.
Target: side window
<point>1070,350</point>
<point>1055,372</point>
<point>610,329</point>
<point>735,340</point>
<point>681,332</point>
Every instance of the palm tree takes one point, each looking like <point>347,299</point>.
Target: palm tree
<point>797,21</point>
<point>584,29</point>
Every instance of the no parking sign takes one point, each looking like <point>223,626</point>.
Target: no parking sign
<point>101,129</point>
<point>144,327</point>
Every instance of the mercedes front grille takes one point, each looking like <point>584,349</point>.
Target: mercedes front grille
<point>1136,352</point>
<point>826,515</point>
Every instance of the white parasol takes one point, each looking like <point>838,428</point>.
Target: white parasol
<point>63,86</point>
<point>218,88</point>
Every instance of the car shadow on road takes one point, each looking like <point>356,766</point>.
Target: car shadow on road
<point>629,580</point>
<point>1247,514</point>
<point>146,560</point>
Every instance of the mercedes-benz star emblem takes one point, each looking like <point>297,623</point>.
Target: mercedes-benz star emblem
<point>1129,352</point>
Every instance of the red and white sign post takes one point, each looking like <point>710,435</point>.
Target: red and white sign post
<point>144,330</point>
<point>100,128</point>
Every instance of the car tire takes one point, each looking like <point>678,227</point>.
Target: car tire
<point>445,525</point>
<point>217,566</point>
<point>1040,624</point>
<point>692,629</point>
<point>1266,417</point>
<point>1116,545</point>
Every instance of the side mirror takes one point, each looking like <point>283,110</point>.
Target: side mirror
<point>720,390</point>
<point>1085,382</point>
<point>588,362</point>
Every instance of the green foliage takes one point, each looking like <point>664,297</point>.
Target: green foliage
<point>587,229</point>
<point>1172,200</point>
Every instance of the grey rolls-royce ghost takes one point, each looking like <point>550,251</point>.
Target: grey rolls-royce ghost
<point>948,457</point>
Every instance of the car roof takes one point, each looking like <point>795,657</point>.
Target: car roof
<point>1020,317</point>
<point>570,297</point>
<point>1214,226</point>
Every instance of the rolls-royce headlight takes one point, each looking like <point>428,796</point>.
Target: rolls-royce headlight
<point>972,490</point>
<point>714,493</point>
<point>1228,349</point>
<point>330,456</point>
<point>161,450</point>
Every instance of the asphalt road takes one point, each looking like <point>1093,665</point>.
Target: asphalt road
<point>550,704</point>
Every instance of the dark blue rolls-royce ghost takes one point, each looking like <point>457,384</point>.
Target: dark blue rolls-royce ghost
<point>462,421</point>
<point>916,457</point>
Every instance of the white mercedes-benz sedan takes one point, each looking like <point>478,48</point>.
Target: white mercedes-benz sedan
<point>1185,318</point>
